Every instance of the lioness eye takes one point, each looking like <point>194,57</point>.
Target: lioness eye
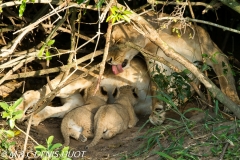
<point>109,61</point>
<point>124,63</point>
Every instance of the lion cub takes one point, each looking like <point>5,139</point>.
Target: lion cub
<point>78,123</point>
<point>112,119</point>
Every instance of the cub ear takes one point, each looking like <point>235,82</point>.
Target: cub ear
<point>84,93</point>
<point>115,92</point>
<point>135,92</point>
<point>103,90</point>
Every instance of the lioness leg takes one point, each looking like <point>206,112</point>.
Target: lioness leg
<point>71,102</point>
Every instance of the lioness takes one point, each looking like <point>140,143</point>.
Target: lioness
<point>78,123</point>
<point>186,45</point>
<point>114,118</point>
<point>135,75</point>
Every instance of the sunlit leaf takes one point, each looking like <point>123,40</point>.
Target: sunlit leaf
<point>18,114</point>
<point>126,18</point>
<point>54,146</point>
<point>40,54</point>
<point>50,42</point>
<point>17,102</point>
<point>49,140</point>
<point>48,55</point>
<point>11,123</point>
<point>10,133</point>
<point>22,8</point>
<point>4,105</point>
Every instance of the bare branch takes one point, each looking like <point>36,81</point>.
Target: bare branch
<point>201,21</point>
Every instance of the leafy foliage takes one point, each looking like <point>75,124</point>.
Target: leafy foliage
<point>22,8</point>
<point>118,14</point>
<point>172,141</point>
<point>174,87</point>
<point>10,113</point>
<point>50,152</point>
<point>45,48</point>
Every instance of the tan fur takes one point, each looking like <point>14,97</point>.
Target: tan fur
<point>135,74</point>
<point>78,123</point>
<point>114,118</point>
<point>185,46</point>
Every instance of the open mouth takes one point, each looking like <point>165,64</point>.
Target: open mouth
<point>119,68</point>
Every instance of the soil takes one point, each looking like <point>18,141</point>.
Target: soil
<point>114,148</point>
<point>119,146</point>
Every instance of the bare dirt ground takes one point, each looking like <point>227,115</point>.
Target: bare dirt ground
<point>115,148</point>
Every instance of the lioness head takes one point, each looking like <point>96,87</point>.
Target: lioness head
<point>120,55</point>
<point>29,99</point>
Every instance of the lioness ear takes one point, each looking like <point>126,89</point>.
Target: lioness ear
<point>135,92</point>
<point>103,90</point>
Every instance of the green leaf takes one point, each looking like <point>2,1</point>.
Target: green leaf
<point>126,18</point>
<point>40,54</point>
<point>113,20</point>
<point>18,114</point>
<point>127,12</point>
<point>99,4</point>
<point>10,133</point>
<point>22,8</point>
<point>6,115</point>
<point>48,56</point>
<point>16,103</point>
<point>109,18</point>
<point>113,10</point>
<point>204,67</point>
<point>192,109</point>
<point>4,105</point>
<point>53,147</point>
<point>164,155</point>
<point>80,1</point>
<point>40,148</point>
<point>214,60</point>
<point>49,140</point>
<point>11,123</point>
<point>65,149</point>
<point>204,55</point>
<point>50,42</point>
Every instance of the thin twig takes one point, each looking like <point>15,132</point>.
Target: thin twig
<point>48,98</point>
<point>68,31</point>
<point>52,70</point>
<point>106,49</point>
<point>224,151</point>
<point>16,68</point>
<point>48,39</point>
<point>201,47</point>
<point>27,135</point>
<point>177,3</point>
<point>203,22</point>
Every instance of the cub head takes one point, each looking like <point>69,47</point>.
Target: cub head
<point>95,90</point>
<point>130,92</point>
